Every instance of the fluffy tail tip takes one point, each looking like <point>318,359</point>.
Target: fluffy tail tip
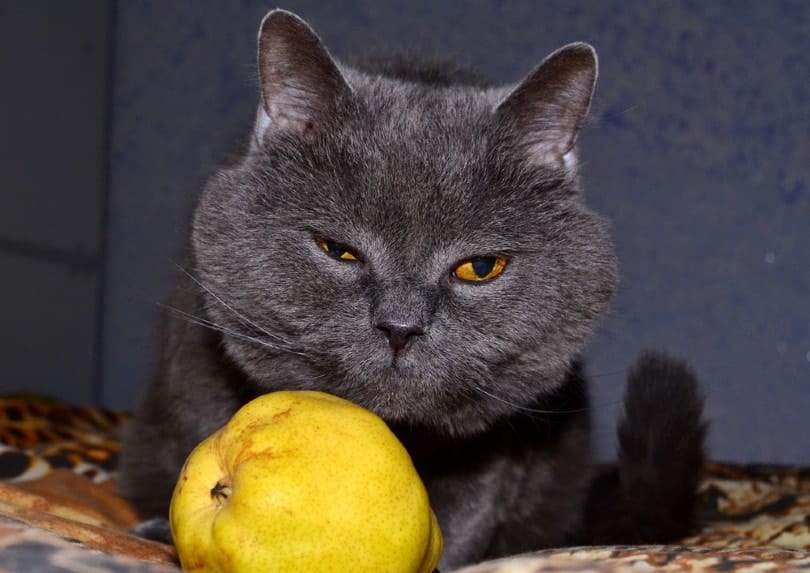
<point>651,494</point>
<point>661,447</point>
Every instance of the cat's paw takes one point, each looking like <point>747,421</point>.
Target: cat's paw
<point>155,529</point>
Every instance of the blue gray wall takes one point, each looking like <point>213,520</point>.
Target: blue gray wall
<point>54,60</point>
<point>697,150</point>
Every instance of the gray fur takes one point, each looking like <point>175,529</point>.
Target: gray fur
<point>416,176</point>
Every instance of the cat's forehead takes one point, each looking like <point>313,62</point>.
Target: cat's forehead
<point>418,139</point>
<point>419,153</point>
<point>422,113</point>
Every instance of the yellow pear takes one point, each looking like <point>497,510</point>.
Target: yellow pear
<point>303,481</point>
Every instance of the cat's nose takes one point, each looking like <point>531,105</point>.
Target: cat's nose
<point>399,334</point>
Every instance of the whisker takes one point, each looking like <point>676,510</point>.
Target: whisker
<point>216,327</point>
<point>238,314</point>
<point>525,408</point>
<point>213,326</point>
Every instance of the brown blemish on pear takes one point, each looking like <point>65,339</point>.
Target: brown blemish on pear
<point>282,414</point>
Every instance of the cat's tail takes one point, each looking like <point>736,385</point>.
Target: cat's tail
<point>650,496</point>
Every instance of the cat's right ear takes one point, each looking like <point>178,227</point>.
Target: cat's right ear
<point>301,86</point>
<point>546,110</point>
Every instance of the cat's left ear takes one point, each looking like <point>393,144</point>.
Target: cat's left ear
<point>546,110</point>
<point>301,85</point>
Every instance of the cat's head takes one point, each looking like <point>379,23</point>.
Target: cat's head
<point>419,249</point>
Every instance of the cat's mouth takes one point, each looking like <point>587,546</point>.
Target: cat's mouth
<point>400,357</point>
<point>398,370</point>
<point>402,362</point>
<point>395,361</point>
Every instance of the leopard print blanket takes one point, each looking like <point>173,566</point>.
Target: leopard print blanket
<point>38,435</point>
<point>59,510</point>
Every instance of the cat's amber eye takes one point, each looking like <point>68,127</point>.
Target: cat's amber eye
<point>337,251</point>
<point>480,269</point>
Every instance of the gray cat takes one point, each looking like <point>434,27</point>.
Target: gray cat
<point>406,236</point>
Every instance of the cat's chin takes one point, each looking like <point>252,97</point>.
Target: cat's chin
<point>407,390</point>
<point>407,405</point>
<point>447,424</point>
